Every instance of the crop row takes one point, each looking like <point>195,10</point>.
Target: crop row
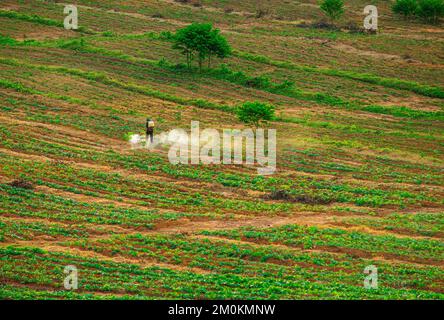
<point>323,189</point>
<point>33,266</point>
<point>28,203</point>
<point>15,229</point>
<point>118,126</point>
<point>261,261</point>
<point>142,192</point>
<point>426,224</point>
<point>338,239</point>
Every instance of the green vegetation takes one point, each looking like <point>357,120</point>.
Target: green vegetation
<point>164,282</point>
<point>38,20</point>
<point>360,144</point>
<point>100,77</point>
<point>429,10</point>
<point>203,41</point>
<point>424,224</point>
<point>407,8</point>
<point>255,113</point>
<point>413,86</point>
<point>341,240</point>
<point>31,18</point>
<point>334,9</point>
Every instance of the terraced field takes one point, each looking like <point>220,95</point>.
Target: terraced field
<point>360,152</point>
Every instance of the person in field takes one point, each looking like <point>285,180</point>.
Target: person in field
<point>149,130</point>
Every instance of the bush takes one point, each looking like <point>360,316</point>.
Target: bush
<point>255,113</point>
<point>7,40</point>
<point>260,82</point>
<point>431,10</point>
<point>75,44</point>
<point>407,8</point>
<point>334,9</point>
<point>110,34</point>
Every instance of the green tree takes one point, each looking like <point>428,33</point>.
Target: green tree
<point>407,8</point>
<point>201,40</point>
<point>255,113</point>
<point>218,46</point>
<point>334,9</point>
<point>431,10</point>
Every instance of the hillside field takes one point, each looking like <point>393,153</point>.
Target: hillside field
<point>360,144</point>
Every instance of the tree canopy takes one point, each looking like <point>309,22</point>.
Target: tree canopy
<point>203,41</point>
<point>334,9</point>
<point>255,113</point>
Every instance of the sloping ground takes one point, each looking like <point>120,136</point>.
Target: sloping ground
<point>360,144</point>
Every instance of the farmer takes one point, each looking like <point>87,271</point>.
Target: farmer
<point>149,130</point>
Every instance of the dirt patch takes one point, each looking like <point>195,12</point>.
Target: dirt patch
<point>188,226</point>
<point>22,184</point>
<point>10,7</point>
<point>379,55</point>
<point>298,198</point>
<point>398,233</point>
<point>87,135</point>
<point>352,50</point>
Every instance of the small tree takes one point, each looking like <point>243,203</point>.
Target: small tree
<point>334,9</point>
<point>201,40</point>
<point>218,46</point>
<point>407,8</point>
<point>431,10</point>
<point>255,113</point>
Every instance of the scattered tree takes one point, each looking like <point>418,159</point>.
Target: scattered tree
<point>334,9</point>
<point>255,113</point>
<point>201,40</point>
<point>407,8</point>
<point>431,10</point>
<point>218,46</point>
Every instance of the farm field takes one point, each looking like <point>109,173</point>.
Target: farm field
<point>360,143</point>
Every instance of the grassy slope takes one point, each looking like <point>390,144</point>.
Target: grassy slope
<point>360,135</point>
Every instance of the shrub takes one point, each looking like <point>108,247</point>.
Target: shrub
<point>110,34</point>
<point>284,86</point>
<point>31,18</point>
<point>7,40</point>
<point>431,10</point>
<point>334,9</point>
<point>407,8</point>
<point>255,113</point>
<point>75,44</point>
<point>260,82</point>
